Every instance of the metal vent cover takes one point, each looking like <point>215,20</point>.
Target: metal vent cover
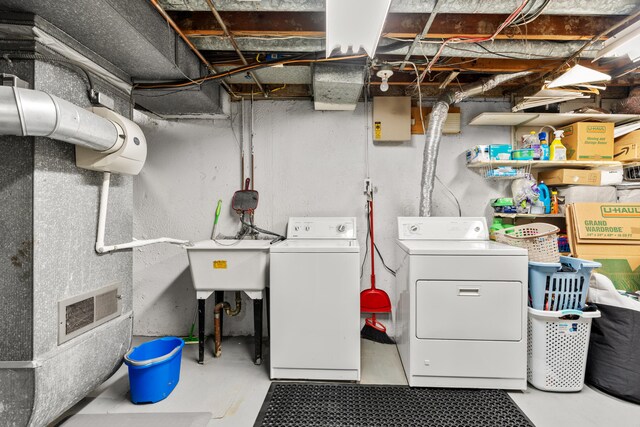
<point>82,313</point>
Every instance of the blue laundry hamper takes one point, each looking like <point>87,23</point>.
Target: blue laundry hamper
<point>552,289</point>
<point>154,369</point>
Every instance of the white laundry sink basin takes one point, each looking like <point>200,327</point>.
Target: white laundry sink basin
<point>229,265</point>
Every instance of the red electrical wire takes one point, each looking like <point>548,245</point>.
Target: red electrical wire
<point>506,23</point>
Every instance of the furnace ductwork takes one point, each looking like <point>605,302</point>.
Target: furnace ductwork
<point>26,112</point>
<point>433,135</point>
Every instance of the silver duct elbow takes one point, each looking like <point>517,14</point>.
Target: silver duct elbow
<point>433,135</point>
<point>26,112</point>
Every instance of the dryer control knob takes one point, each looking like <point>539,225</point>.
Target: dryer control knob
<point>307,228</point>
<point>414,228</point>
<point>296,228</point>
<point>341,228</point>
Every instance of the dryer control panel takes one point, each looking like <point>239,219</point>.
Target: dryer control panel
<point>321,228</point>
<point>442,228</point>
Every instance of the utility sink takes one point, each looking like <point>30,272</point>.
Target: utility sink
<point>229,265</point>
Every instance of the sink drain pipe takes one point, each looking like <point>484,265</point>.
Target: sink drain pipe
<point>217,313</point>
<point>433,135</point>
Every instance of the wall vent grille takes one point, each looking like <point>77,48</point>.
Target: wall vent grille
<point>82,313</point>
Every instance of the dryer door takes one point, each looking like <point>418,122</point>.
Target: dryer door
<point>469,310</point>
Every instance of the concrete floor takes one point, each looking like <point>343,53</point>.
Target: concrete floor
<point>231,390</point>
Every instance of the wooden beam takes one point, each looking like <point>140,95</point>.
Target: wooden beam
<point>403,25</point>
<point>495,65</point>
<point>478,65</point>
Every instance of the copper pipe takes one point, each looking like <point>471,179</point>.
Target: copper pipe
<point>188,42</point>
<point>217,313</point>
<point>232,40</point>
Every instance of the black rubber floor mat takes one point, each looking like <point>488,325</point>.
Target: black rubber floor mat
<point>333,405</point>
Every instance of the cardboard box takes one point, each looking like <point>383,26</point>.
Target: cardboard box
<point>570,177</point>
<point>608,233</point>
<point>627,147</point>
<point>589,141</point>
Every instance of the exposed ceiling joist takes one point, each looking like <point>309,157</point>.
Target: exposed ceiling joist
<point>502,65</point>
<point>477,65</point>
<point>534,49</point>
<point>402,25</point>
<point>556,7</point>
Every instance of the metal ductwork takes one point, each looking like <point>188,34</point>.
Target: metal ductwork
<point>26,112</point>
<point>433,135</point>
<point>337,87</point>
<point>105,141</point>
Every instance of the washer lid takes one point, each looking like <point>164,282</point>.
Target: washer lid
<point>316,246</point>
<point>459,247</point>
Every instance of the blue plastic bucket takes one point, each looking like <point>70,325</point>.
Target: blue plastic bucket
<point>154,369</point>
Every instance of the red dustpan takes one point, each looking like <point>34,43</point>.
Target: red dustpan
<point>373,300</point>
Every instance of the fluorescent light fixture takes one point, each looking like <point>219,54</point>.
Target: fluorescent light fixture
<point>578,75</point>
<point>626,42</point>
<point>355,25</point>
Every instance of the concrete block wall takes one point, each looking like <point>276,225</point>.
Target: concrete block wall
<point>308,163</point>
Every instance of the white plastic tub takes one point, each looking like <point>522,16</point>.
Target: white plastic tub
<point>557,349</point>
<point>229,265</point>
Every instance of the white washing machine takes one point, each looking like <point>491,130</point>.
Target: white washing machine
<point>461,305</point>
<point>315,301</point>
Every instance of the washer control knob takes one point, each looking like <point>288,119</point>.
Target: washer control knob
<point>414,228</point>
<point>342,228</point>
<point>307,228</point>
<point>296,228</point>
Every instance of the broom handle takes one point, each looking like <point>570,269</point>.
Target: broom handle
<point>373,248</point>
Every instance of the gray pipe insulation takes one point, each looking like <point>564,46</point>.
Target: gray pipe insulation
<point>433,135</point>
<point>27,112</point>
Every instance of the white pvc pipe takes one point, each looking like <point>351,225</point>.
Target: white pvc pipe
<point>102,219</point>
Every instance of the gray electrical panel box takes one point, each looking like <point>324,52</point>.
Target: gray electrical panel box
<point>392,118</point>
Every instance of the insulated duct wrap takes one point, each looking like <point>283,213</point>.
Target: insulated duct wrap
<point>26,112</point>
<point>433,135</point>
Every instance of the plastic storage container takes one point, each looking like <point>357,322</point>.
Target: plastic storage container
<point>539,239</point>
<point>154,369</point>
<point>552,289</point>
<point>557,349</point>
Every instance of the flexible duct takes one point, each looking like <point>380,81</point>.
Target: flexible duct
<point>433,135</point>
<point>27,112</point>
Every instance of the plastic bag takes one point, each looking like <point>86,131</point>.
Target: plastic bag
<point>525,193</point>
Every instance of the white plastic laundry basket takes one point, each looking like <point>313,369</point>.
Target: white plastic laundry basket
<point>557,349</point>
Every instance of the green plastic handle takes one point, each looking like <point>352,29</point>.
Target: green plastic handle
<point>218,209</point>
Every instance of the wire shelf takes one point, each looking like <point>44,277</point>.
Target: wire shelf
<point>497,173</point>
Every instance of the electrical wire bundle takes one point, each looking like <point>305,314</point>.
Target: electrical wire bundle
<point>502,26</point>
<point>527,17</point>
